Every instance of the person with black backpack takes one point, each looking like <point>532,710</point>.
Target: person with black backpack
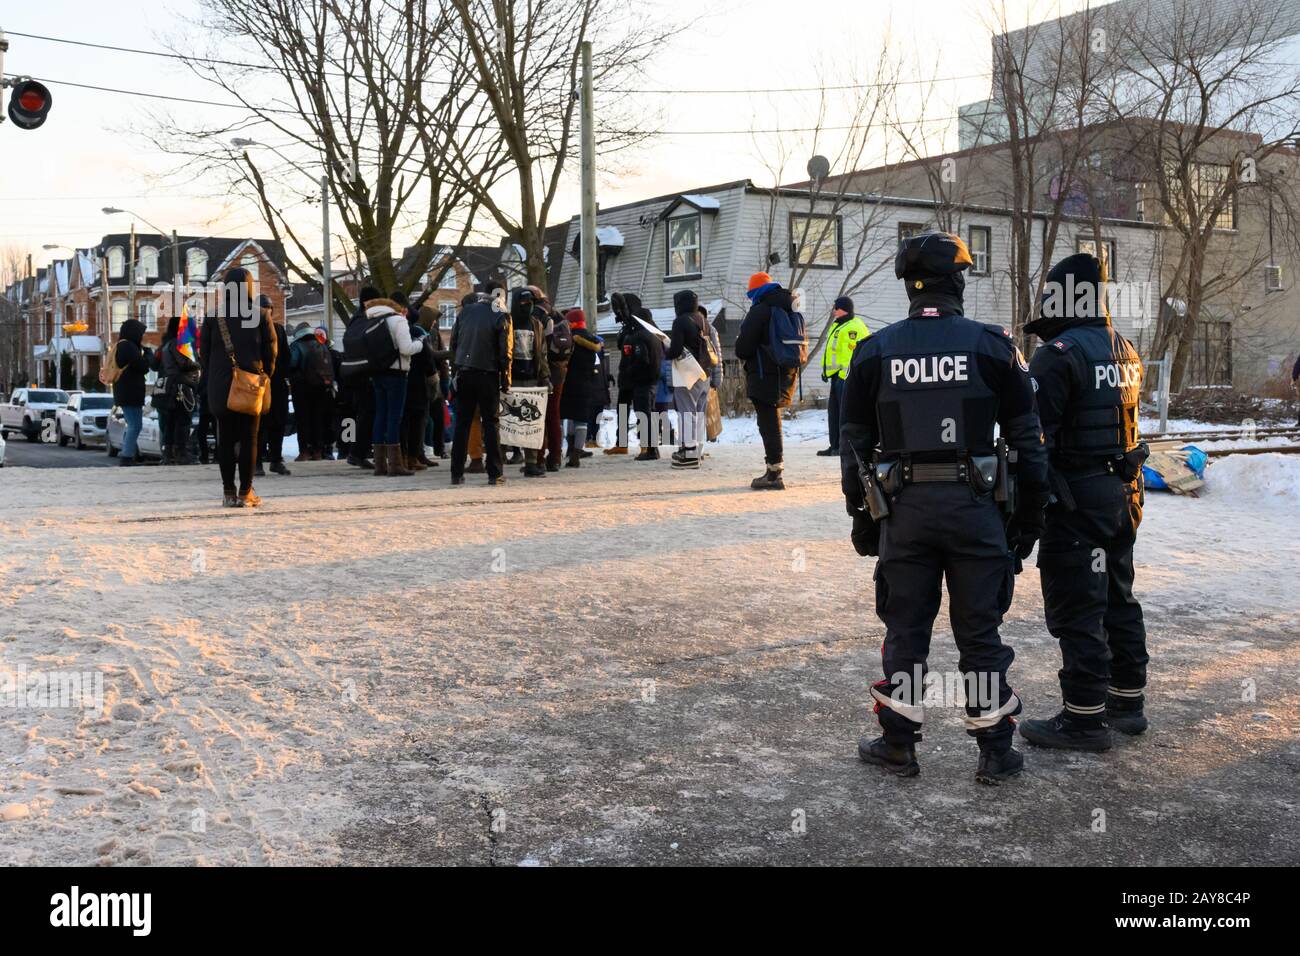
<point>311,373</point>
<point>690,337</point>
<point>355,388</point>
<point>773,346</point>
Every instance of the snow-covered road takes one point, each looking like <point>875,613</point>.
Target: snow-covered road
<point>622,664</point>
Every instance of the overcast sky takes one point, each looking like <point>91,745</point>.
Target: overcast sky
<point>56,179</point>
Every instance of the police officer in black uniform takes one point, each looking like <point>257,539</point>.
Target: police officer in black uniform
<point>1088,378</point>
<point>919,407</point>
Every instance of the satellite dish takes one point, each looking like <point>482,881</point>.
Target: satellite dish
<point>819,167</point>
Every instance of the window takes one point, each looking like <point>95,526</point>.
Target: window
<point>815,240</point>
<point>119,314</point>
<point>144,311</point>
<point>906,230</point>
<point>447,318</point>
<point>116,262</point>
<point>1107,256</point>
<point>684,247</point>
<point>149,262</point>
<point>196,264</point>
<point>979,240</point>
<point>1209,183</point>
<point>449,279</point>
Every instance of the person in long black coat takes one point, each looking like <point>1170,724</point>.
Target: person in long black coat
<point>254,349</point>
<point>584,383</point>
<point>270,430</point>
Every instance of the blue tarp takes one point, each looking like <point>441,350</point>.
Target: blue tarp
<point>1196,460</point>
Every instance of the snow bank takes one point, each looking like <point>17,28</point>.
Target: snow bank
<point>1266,480</point>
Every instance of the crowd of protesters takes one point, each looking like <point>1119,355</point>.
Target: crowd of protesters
<point>426,395</point>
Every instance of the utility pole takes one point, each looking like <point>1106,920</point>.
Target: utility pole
<point>106,342</point>
<point>589,290</point>
<point>326,274</point>
<point>58,325</point>
<point>130,278</point>
<point>178,278</point>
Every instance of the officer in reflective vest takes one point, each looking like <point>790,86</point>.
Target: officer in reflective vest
<point>846,331</point>
<point>920,404</point>
<point>1088,379</point>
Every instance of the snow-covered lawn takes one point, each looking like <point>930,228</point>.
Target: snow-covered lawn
<point>618,664</point>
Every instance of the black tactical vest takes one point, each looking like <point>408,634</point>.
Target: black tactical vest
<point>932,398</point>
<point>1103,420</point>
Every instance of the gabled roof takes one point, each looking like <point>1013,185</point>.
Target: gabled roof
<point>697,201</point>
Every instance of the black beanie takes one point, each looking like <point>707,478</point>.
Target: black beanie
<point>1074,289</point>
<point>367,293</point>
<point>844,304</point>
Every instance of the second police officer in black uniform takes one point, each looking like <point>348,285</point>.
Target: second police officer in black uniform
<point>919,409</point>
<point>1088,378</point>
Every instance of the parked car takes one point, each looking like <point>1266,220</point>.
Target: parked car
<point>84,419</point>
<point>2,452</point>
<point>27,410</point>
<point>150,443</point>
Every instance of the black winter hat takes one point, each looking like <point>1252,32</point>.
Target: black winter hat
<point>685,302</point>
<point>1075,289</point>
<point>929,255</point>
<point>367,293</point>
<point>844,304</point>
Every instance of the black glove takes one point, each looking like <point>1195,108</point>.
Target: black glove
<point>1026,527</point>
<point>866,535</point>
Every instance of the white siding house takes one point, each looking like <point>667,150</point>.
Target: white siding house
<point>710,240</point>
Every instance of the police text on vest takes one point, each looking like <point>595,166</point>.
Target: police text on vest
<point>1118,375</point>
<point>929,368</point>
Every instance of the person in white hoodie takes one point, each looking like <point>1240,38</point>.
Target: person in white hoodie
<point>390,388</point>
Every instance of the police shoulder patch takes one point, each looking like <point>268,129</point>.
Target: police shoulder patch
<point>1062,345</point>
<point>1020,360</point>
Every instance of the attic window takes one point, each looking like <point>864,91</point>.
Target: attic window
<point>116,262</point>
<point>685,250</point>
<point>196,264</point>
<point>149,262</point>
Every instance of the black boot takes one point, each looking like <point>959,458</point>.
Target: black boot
<point>1065,732</point>
<point>899,759</point>
<point>279,468</point>
<point>828,452</point>
<point>1125,714</point>
<point>998,765</point>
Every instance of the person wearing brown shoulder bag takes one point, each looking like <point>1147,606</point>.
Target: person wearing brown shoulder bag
<point>236,347</point>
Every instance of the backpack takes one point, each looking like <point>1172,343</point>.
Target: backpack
<point>709,359</point>
<point>317,367</point>
<point>368,347</point>
<point>787,338</point>
<point>110,371</point>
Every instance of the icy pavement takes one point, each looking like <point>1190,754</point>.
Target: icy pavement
<point>619,665</point>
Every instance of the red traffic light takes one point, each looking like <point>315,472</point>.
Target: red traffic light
<point>29,104</point>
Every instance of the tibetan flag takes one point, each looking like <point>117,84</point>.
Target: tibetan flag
<point>186,340</point>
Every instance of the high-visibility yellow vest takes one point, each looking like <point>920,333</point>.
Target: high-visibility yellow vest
<point>844,338</point>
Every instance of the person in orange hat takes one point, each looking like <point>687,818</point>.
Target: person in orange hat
<point>769,383</point>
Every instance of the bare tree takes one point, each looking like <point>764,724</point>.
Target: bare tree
<point>827,221</point>
<point>526,66</point>
<point>13,338</point>
<point>371,95</point>
<point>1207,104</point>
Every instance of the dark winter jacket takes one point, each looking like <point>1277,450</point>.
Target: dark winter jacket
<point>688,330</point>
<point>254,345</point>
<point>279,413</point>
<point>766,383</point>
<point>423,365</point>
<point>528,363</point>
<point>584,383</point>
<point>134,360</point>
<point>481,339</point>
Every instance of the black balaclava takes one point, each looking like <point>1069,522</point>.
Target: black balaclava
<point>931,266</point>
<point>685,302</point>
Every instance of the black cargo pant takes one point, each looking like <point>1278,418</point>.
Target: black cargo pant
<point>1085,563</point>
<point>477,393</point>
<point>940,532</point>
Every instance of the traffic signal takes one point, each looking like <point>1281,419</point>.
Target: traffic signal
<point>29,104</point>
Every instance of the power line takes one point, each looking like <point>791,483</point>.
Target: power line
<point>659,92</point>
<point>680,132</point>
